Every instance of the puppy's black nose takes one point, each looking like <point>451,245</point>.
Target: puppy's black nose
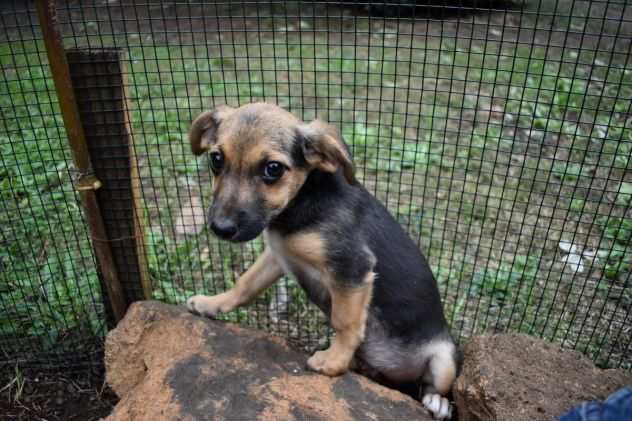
<point>224,228</point>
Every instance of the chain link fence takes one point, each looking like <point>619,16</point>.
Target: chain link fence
<point>499,134</point>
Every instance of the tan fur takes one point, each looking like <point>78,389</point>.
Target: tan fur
<point>327,151</point>
<point>282,116</point>
<point>260,147</point>
<point>199,142</point>
<point>304,251</point>
<point>442,368</point>
<point>229,149</point>
<point>307,247</point>
<point>263,273</point>
<point>217,184</point>
<point>349,310</point>
<point>278,195</point>
<point>444,379</point>
<point>349,305</point>
<point>265,138</point>
<point>203,131</point>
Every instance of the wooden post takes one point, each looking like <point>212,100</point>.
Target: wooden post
<point>99,86</point>
<point>87,183</point>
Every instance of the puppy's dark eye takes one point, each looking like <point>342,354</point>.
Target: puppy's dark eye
<point>272,171</point>
<point>217,162</point>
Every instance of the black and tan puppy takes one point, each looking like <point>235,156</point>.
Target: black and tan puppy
<point>295,182</point>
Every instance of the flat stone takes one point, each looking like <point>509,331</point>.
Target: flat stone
<point>165,363</point>
<point>518,377</point>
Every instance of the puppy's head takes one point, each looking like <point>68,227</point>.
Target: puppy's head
<point>260,156</point>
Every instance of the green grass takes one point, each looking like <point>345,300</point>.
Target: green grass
<point>617,233</point>
<point>489,154</point>
<point>48,279</point>
<point>499,284</point>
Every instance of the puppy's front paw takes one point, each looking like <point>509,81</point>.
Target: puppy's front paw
<point>208,306</point>
<point>438,405</point>
<point>329,363</point>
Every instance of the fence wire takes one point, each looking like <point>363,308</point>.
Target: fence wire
<point>499,134</point>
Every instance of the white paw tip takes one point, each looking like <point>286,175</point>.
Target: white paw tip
<point>438,405</point>
<point>191,305</point>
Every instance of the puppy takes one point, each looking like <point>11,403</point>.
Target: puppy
<point>294,182</point>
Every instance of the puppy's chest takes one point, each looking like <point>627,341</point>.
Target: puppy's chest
<point>302,256</point>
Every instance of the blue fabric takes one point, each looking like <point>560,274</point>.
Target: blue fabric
<point>618,407</point>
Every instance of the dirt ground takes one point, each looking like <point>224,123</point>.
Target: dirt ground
<point>53,396</point>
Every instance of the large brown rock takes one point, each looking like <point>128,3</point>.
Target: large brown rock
<point>517,377</point>
<point>165,363</point>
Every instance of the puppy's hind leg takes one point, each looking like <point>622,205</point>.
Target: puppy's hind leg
<point>348,317</point>
<point>437,380</point>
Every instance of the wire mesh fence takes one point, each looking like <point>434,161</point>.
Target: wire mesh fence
<point>499,134</point>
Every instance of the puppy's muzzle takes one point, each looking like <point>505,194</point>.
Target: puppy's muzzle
<point>224,228</point>
<point>234,225</point>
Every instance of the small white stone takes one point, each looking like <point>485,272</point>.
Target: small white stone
<point>589,253</point>
<point>601,131</point>
<point>574,262</point>
<point>567,246</point>
<point>578,268</point>
<point>572,258</point>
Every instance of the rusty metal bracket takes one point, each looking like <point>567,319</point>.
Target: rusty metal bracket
<point>87,182</point>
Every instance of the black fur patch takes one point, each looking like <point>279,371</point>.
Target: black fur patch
<point>311,206</point>
<point>360,235</point>
<point>296,150</point>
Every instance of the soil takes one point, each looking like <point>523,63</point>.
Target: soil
<point>54,396</point>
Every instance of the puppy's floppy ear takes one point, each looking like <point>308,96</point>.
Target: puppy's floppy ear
<point>203,131</point>
<point>324,148</point>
